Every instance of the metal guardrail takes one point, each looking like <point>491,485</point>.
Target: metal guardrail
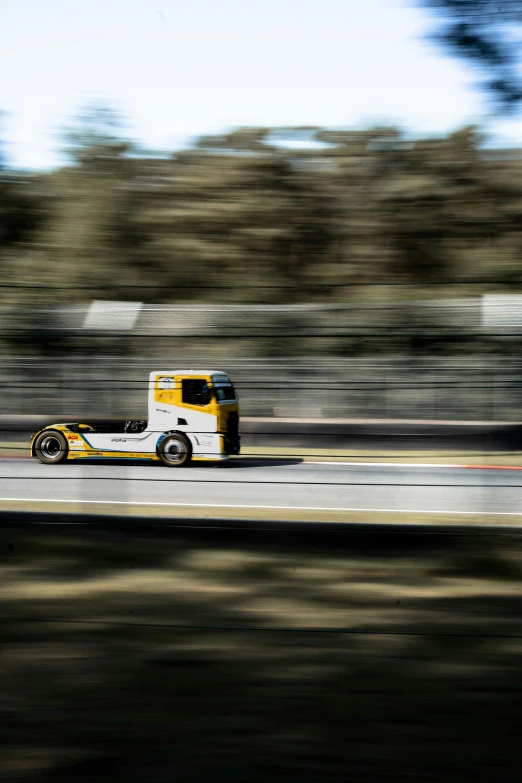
<point>318,379</point>
<point>427,388</point>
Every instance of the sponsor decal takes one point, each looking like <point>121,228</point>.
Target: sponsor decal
<point>162,410</point>
<point>204,440</point>
<point>166,383</point>
<point>125,440</point>
<point>72,437</point>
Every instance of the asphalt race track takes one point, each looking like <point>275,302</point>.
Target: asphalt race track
<point>278,484</point>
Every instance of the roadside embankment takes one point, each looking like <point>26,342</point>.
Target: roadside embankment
<point>128,654</point>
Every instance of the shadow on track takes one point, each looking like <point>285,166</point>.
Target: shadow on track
<point>258,462</point>
<point>236,462</point>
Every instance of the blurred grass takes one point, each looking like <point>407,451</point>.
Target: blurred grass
<point>132,657</point>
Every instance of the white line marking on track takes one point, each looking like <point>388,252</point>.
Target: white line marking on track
<point>266,508</point>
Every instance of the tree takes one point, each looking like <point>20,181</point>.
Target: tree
<point>96,136</point>
<point>486,33</point>
<point>233,212</point>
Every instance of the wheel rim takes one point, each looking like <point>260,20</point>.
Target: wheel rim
<point>175,452</point>
<point>50,447</point>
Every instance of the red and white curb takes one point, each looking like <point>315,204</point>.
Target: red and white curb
<point>414,465</point>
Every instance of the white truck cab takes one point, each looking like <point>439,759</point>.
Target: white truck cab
<point>191,415</point>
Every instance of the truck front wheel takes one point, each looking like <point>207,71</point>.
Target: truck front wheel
<point>174,451</point>
<point>51,447</point>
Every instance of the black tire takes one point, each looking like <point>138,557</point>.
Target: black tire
<point>175,451</point>
<point>51,447</point>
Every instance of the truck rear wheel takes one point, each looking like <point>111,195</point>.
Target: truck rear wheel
<point>175,451</point>
<point>51,447</point>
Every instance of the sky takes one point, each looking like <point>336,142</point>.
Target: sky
<point>177,70</point>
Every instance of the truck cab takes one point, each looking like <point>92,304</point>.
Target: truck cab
<point>192,415</point>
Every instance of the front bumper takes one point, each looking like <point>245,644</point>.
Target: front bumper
<point>231,445</point>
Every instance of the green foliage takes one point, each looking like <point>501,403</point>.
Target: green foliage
<point>242,218</point>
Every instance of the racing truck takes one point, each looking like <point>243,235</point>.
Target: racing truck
<point>191,416</point>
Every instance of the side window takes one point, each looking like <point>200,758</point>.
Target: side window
<point>195,391</point>
<point>226,393</point>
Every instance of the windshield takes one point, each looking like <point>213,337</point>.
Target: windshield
<point>225,393</point>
